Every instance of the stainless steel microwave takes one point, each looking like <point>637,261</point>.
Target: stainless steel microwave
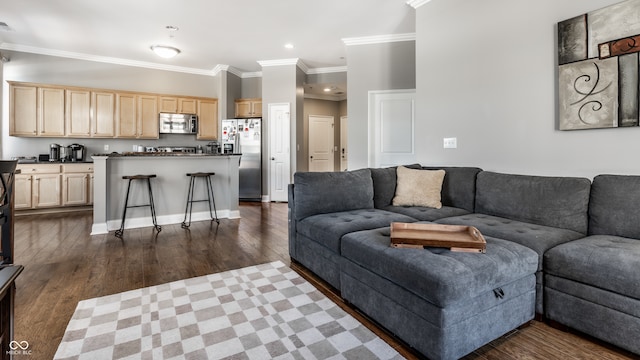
<point>178,123</point>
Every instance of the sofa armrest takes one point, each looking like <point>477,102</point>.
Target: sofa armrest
<point>292,223</point>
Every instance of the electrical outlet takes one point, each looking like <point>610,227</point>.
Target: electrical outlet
<point>106,147</point>
<point>450,143</point>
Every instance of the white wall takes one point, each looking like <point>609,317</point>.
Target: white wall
<point>386,66</point>
<point>486,74</point>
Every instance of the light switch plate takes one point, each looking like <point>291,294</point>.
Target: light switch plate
<point>106,147</point>
<point>450,143</point>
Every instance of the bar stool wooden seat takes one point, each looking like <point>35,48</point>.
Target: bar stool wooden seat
<point>147,179</point>
<point>210,198</point>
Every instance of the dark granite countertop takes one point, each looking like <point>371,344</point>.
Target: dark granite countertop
<point>161,154</point>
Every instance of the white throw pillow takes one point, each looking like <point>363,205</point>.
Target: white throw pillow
<point>418,187</point>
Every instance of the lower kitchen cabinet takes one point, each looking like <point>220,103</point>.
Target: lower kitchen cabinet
<point>77,184</point>
<point>41,186</point>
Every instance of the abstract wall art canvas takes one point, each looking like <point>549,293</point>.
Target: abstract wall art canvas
<point>598,67</point>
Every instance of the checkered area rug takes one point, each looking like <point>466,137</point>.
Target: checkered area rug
<point>259,312</point>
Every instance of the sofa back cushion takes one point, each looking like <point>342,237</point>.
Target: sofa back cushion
<point>614,204</point>
<point>327,192</point>
<point>560,202</point>
<point>459,186</point>
<point>384,184</point>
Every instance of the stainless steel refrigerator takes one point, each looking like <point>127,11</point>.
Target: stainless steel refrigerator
<point>245,137</point>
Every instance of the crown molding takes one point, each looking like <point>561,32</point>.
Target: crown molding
<point>150,65</point>
<point>327,70</point>
<point>416,3</point>
<point>103,59</point>
<point>379,39</point>
<point>326,97</point>
<point>254,74</point>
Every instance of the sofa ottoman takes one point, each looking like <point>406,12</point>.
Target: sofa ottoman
<point>445,304</point>
<point>593,284</point>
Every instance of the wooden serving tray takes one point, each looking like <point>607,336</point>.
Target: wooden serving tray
<point>454,237</point>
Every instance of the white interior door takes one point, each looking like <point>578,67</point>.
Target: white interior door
<point>279,151</point>
<point>321,135</point>
<point>344,149</point>
<point>391,124</point>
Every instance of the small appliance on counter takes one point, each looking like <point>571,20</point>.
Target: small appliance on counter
<point>76,152</point>
<point>178,149</point>
<point>213,147</point>
<point>54,152</point>
<point>65,154</point>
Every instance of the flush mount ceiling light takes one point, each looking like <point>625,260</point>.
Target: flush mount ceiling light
<point>166,52</point>
<point>288,46</point>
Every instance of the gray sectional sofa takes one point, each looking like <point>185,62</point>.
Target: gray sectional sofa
<point>561,247</point>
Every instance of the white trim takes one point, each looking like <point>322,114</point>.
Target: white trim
<point>326,97</point>
<point>278,62</point>
<point>104,59</point>
<point>254,74</point>
<point>150,65</point>
<point>416,3</point>
<point>98,229</point>
<point>379,39</point>
<point>327,70</point>
<point>146,221</point>
<point>266,198</point>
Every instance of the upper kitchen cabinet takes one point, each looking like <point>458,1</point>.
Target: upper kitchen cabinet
<point>169,104</point>
<point>36,111</point>
<point>78,113</point>
<point>136,116</point>
<point>103,106</point>
<point>207,120</point>
<point>89,113</point>
<point>248,108</point>
<point>23,110</point>
<point>50,112</point>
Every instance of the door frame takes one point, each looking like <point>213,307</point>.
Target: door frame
<point>332,156</point>
<point>288,142</point>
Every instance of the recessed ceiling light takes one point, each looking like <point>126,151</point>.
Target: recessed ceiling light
<point>166,52</point>
<point>288,46</point>
<point>327,89</point>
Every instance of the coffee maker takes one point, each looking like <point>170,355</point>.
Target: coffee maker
<point>77,152</point>
<point>54,152</point>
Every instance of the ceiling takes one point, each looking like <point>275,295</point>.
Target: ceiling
<point>236,33</point>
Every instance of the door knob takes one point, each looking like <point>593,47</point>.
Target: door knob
<point>273,158</point>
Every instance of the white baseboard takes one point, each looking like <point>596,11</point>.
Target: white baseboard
<point>266,198</point>
<point>140,222</point>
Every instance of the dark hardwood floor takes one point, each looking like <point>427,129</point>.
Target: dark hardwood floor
<point>64,264</point>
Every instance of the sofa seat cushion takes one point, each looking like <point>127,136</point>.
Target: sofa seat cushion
<point>440,276</point>
<point>537,237</point>
<point>604,261</point>
<point>426,214</point>
<point>328,229</point>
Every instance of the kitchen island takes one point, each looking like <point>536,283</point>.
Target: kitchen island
<point>169,188</point>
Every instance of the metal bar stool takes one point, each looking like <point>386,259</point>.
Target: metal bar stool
<point>120,231</point>
<point>209,199</point>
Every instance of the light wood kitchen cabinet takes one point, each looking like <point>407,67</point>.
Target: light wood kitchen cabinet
<point>22,186</point>
<point>36,111</point>
<point>50,112</point>
<point>78,113</point>
<point>38,186</point>
<point>53,185</point>
<point>169,104</point>
<point>77,184</point>
<point>23,110</point>
<point>247,108</point>
<point>136,116</point>
<point>207,120</point>
<point>103,106</point>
